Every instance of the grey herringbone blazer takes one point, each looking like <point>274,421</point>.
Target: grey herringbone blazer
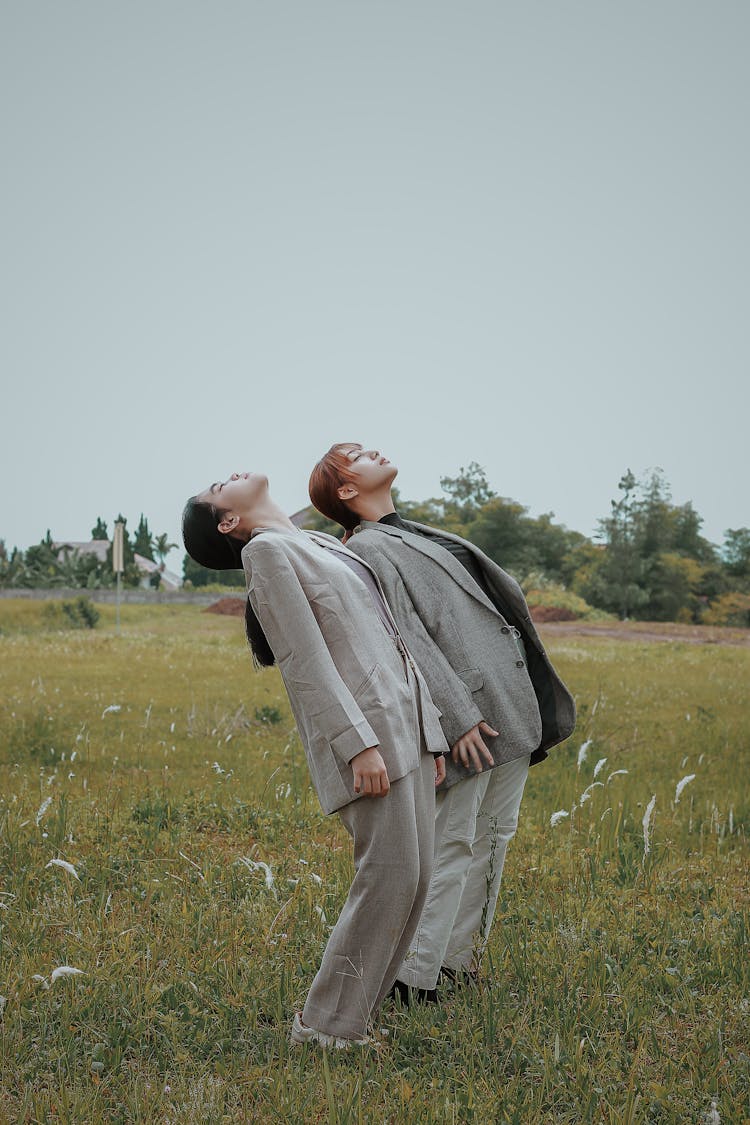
<point>464,646</point>
<point>348,684</point>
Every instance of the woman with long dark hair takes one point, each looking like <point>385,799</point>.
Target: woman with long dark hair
<point>366,720</point>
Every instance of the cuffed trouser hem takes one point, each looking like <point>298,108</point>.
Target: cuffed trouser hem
<point>393,850</point>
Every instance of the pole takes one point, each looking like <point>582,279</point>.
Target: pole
<point>118,562</point>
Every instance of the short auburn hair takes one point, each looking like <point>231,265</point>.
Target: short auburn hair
<point>326,479</point>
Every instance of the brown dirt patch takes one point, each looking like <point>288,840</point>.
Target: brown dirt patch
<point>228,607</point>
<point>551,613</point>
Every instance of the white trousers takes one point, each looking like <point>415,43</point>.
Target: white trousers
<point>475,821</point>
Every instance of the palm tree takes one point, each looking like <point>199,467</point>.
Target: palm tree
<point>162,547</point>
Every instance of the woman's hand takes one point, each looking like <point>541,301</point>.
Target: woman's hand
<point>439,769</point>
<point>370,774</point>
<point>469,747</point>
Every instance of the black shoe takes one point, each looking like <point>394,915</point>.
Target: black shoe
<point>462,978</point>
<point>408,995</point>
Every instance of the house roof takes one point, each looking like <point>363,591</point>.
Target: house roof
<point>100,547</point>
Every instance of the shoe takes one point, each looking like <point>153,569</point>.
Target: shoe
<point>466,977</point>
<point>301,1034</point>
<point>409,994</point>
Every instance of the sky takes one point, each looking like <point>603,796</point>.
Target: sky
<point>234,233</point>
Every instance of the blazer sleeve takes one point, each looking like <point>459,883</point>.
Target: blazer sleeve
<point>451,695</point>
<point>292,631</point>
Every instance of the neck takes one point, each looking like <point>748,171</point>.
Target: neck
<point>376,506</point>
<point>267,514</point>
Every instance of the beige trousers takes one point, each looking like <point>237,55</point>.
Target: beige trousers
<point>393,849</point>
<point>475,821</point>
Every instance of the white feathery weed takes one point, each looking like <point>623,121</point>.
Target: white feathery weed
<point>258,865</point>
<point>558,816</point>
<point>681,785</point>
<point>586,795</point>
<point>615,773</point>
<point>599,766</point>
<point>43,808</point>
<point>64,971</point>
<point>582,752</point>
<point>65,866</point>
<point>647,824</point>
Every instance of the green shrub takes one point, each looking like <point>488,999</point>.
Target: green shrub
<point>78,613</point>
<point>729,609</point>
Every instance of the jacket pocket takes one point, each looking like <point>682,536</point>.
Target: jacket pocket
<point>371,675</point>
<point>472,677</point>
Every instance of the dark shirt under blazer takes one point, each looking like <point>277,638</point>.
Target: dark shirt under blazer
<point>465,646</point>
<point>349,685</point>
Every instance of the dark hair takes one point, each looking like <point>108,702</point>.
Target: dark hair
<point>331,471</point>
<point>216,551</point>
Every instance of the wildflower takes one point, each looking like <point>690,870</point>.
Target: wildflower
<point>558,816</point>
<point>583,751</point>
<point>65,866</point>
<point>681,785</point>
<point>113,707</point>
<point>599,766</point>
<point>712,1116</point>
<point>646,823</point>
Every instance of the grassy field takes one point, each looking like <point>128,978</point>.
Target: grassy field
<point>166,772</point>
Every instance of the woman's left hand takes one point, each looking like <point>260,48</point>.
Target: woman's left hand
<point>439,769</point>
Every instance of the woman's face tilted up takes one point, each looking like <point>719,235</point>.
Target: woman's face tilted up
<point>238,494</point>
<point>368,471</point>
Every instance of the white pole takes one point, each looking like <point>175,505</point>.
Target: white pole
<point>118,562</point>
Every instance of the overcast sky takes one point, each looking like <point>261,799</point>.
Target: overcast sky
<point>235,232</point>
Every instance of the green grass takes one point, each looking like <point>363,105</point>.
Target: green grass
<point>616,983</point>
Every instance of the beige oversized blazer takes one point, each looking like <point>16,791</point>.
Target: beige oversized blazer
<point>349,685</point>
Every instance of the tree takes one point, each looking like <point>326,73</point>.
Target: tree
<point>143,544</point>
<point>615,582</point>
<point>198,575</point>
<point>500,530</point>
<point>672,583</point>
<point>100,530</point>
<point>468,492</point>
<point>686,537</point>
<point>162,547</point>
<point>736,552</point>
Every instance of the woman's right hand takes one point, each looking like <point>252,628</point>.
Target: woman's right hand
<point>370,774</point>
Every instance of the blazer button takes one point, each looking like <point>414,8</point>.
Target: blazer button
<point>519,664</point>
<point>504,629</point>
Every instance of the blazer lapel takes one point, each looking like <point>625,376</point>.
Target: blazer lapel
<point>334,544</point>
<point>439,555</point>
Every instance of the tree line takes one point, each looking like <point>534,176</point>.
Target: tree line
<point>47,564</point>
<point>648,559</point>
